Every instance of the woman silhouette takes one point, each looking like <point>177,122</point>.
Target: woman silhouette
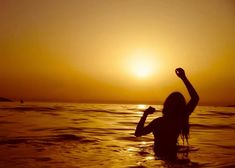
<point>174,122</point>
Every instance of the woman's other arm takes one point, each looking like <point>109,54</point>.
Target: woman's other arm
<point>140,129</point>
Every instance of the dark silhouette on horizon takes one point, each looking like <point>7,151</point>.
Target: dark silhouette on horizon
<point>3,99</point>
<point>173,123</point>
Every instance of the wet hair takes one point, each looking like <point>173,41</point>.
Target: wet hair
<point>175,107</point>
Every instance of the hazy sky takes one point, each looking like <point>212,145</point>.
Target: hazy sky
<point>92,50</point>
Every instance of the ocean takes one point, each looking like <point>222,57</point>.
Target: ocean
<point>72,135</point>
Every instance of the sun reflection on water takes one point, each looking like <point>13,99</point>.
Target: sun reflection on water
<point>143,143</point>
<point>149,158</point>
<point>141,106</point>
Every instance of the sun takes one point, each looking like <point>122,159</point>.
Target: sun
<point>142,65</point>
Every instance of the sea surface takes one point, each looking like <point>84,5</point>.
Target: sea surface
<point>70,135</point>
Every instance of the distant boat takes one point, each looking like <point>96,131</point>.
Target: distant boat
<point>3,99</point>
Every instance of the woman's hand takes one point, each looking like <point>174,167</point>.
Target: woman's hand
<point>149,110</point>
<point>180,73</point>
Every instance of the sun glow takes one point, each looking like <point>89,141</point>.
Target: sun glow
<point>143,64</point>
<point>142,67</point>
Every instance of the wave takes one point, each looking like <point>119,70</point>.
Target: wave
<point>17,140</point>
<point>134,139</point>
<point>215,126</point>
<point>231,147</point>
<point>128,123</point>
<point>104,111</point>
<point>56,108</point>
<point>28,108</point>
<point>223,113</point>
<point>97,131</point>
<point>59,129</point>
<point>7,122</point>
<point>137,109</point>
<point>47,140</point>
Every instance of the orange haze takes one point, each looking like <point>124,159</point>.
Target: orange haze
<point>83,50</point>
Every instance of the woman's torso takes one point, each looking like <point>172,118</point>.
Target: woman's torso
<point>165,137</point>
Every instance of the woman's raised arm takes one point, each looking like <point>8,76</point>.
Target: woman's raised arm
<point>192,92</point>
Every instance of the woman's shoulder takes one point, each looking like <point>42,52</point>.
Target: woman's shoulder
<point>156,123</point>
<point>157,120</point>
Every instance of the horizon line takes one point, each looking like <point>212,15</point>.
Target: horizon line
<point>87,101</point>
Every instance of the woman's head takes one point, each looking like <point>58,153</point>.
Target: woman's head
<point>175,108</point>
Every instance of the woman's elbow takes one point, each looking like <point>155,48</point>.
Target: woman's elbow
<point>197,98</point>
<point>137,134</point>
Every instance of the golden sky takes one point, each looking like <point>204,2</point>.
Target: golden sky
<point>116,50</point>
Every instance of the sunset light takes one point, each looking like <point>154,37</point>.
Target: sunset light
<point>142,68</point>
<point>116,51</point>
<point>113,83</point>
<point>143,64</point>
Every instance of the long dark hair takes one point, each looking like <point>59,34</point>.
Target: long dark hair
<point>175,107</point>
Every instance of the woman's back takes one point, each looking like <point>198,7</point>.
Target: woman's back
<point>165,137</point>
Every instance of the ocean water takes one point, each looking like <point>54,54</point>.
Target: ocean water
<point>69,135</point>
